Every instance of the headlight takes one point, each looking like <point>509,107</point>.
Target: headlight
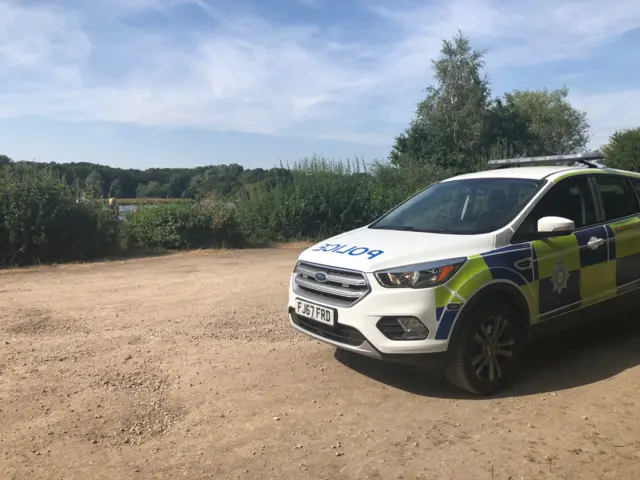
<point>422,275</point>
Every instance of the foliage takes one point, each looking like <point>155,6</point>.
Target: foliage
<point>152,189</point>
<point>554,126</point>
<point>104,181</point>
<point>181,226</point>
<point>457,125</point>
<point>42,219</point>
<point>325,198</point>
<point>94,184</point>
<point>623,150</point>
<point>450,123</point>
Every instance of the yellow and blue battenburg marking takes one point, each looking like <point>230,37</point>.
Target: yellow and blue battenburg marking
<point>556,275</point>
<point>625,254</point>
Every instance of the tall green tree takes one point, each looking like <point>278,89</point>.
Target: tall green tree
<point>152,189</point>
<point>177,184</point>
<point>115,189</point>
<point>508,131</point>
<point>449,129</point>
<point>94,183</point>
<point>623,150</point>
<point>554,126</point>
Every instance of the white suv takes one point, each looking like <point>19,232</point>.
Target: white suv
<point>463,274</point>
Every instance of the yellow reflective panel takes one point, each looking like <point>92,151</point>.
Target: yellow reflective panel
<point>598,283</point>
<point>627,236</point>
<point>551,251</point>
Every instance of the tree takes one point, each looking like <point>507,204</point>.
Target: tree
<point>508,131</point>
<point>555,127</point>
<point>449,129</point>
<point>194,186</point>
<point>457,125</point>
<point>4,160</point>
<point>177,184</point>
<point>623,150</point>
<point>152,189</point>
<point>115,190</point>
<point>94,183</point>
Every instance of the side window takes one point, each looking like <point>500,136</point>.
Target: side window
<point>618,198</point>
<point>570,198</point>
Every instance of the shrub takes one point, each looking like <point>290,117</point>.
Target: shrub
<point>623,150</point>
<point>181,226</point>
<point>325,198</point>
<point>43,220</point>
<point>320,198</point>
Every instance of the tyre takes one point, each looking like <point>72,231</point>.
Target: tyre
<point>486,349</point>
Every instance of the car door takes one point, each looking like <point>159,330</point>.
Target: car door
<point>620,210</point>
<point>567,268</point>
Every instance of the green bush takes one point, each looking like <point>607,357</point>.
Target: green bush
<point>623,150</point>
<point>43,220</point>
<point>325,198</point>
<point>181,226</point>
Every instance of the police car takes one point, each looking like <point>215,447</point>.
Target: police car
<point>462,275</point>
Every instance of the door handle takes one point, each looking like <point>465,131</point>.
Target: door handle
<point>524,264</point>
<point>595,242</point>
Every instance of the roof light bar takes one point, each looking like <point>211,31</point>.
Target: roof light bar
<point>583,158</point>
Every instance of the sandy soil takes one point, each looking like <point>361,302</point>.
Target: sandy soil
<point>184,366</point>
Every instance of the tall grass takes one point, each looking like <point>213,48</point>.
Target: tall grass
<point>327,197</point>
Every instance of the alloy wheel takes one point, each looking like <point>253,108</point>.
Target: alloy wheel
<point>493,348</point>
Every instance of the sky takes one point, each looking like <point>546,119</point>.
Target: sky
<point>180,83</point>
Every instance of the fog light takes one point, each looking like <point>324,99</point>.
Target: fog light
<point>413,328</point>
<point>402,328</point>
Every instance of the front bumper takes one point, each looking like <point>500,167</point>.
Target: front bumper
<point>433,361</point>
<point>356,330</point>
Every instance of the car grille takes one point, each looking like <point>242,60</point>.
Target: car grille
<point>340,288</point>
<point>340,333</point>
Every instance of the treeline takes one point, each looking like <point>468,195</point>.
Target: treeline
<point>103,181</point>
<point>53,212</point>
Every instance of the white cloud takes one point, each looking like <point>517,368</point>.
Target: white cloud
<point>94,61</point>
<point>520,33</point>
<point>44,41</point>
<point>608,112</point>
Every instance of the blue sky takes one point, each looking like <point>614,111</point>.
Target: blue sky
<point>158,83</point>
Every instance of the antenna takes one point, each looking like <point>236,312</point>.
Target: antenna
<point>583,158</point>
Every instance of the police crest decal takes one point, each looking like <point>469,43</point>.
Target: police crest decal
<point>560,276</point>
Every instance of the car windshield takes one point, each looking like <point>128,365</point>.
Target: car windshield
<point>466,206</point>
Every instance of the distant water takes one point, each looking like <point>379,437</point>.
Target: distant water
<point>125,210</point>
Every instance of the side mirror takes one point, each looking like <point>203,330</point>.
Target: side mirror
<point>555,226</point>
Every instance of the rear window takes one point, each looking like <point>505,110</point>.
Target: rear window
<point>618,196</point>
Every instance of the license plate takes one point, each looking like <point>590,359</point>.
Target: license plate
<point>315,312</point>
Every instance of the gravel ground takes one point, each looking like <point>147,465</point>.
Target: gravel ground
<point>184,366</point>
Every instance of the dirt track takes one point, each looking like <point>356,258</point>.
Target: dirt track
<point>184,366</point>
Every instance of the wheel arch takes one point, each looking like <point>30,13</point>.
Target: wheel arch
<point>502,290</point>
